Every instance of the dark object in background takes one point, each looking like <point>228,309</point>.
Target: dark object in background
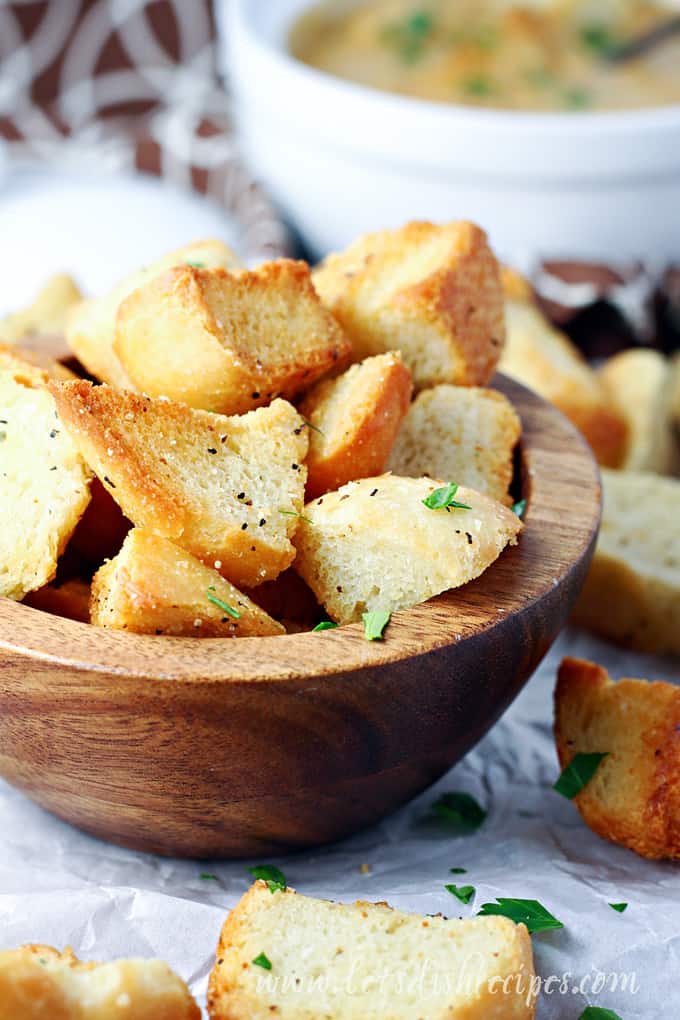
<point>606,309</point>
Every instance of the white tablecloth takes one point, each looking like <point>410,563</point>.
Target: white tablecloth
<point>59,886</point>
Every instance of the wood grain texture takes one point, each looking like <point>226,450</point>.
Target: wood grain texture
<point>223,748</point>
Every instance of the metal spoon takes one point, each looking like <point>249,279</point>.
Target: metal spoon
<point>642,44</point>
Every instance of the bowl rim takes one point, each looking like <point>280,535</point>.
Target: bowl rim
<point>555,462</point>
<point>239,17</point>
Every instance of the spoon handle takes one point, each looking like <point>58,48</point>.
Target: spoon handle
<point>644,43</point>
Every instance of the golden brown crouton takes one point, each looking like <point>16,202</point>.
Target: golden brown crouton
<point>154,587</point>
<point>70,599</point>
<point>46,314</point>
<point>546,361</point>
<point>431,292</point>
<point>639,385</point>
<point>374,546</point>
<point>100,532</point>
<point>355,419</point>
<point>289,600</point>
<point>632,592</point>
<point>228,342</point>
<point>634,797</point>
<point>297,958</point>
<point>226,489</point>
<point>461,432</point>
<point>91,325</point>
<point>45,481</point>
<point>39,983</point>
<point>40,359</point>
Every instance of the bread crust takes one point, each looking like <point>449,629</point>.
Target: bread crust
<point>228,341</point>
<point>432,292</point>
<point>634,797</point>
<point>355,419</point>
<point>39,983</point>
<point>47,313</point>
<point>179,473</point>
<point>155,587</point>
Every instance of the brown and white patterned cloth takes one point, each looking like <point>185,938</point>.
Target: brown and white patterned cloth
<point>132,83</point>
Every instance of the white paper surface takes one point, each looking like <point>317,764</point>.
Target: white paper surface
<point>60,887</point>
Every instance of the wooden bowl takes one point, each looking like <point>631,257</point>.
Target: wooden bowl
<point>223,748</point>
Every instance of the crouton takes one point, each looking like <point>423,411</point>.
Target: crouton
<point>515,286</point>
<point>374,546</point>
<point>40,359</point>
<point>639,385</point>
<point>91,326</point>
<point>39,983</point>
<point>70,599</point>
<point>632,592</point>
<point>461,432</point>
<point>431,292</point>
<point>100,532</point>
<point>228,342</point>
<point>226,489</point>
<point>46,314</point>
<point>154,587</point>
<point>354,421</point>
<point>634,797</point>
<point>290,956</point>
<point>45,481</point>
<point>546,361</point>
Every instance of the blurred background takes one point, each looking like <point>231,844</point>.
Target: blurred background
<point>125,133</point>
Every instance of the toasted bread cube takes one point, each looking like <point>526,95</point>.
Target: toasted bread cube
<point>632,592</point>
<point>634,797</point>
<point>100,532</point>
<point>431,292</point>
<point>42,360</point>
<point>228,342</point>
<point>45,482</point>
<point>226,489</point>
<point>46,314</point>
<point>70,599</point>
<point>461,432</point>
<point>374,546</point>
<point>355,419</point>
<point>366,960</point>
<point>39,983</point>
<point>91,326</point>
<point>546,361</point>
<point>154,587</point>
<point>639,385</point>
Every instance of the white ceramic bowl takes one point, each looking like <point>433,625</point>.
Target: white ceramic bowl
<point>341,159</point>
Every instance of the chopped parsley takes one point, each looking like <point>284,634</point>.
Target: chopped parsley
<point>462,892</point>
<point>578,773</point>
<point>478,85</point>
<point>598,1013</point>
<point>273,876</point>
<point>324,625</point>
<point>313,427</point>
<point>461,810</point>
<point>443,499</point>
<point>577,98</point>
<point>599,39</point>
<point>207,877</point>
<point>519,508</point>
<point>410,35</point>
<point>458,871</point>
<point>529,912</point>
<point>222,605</point>
<point>196,265</point>
<point>374,625</point>
<point>263,961</point>
<point>294,513</point>
<point>620,908</point>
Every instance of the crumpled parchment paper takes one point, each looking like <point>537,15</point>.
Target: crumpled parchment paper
<point>61,887</point>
